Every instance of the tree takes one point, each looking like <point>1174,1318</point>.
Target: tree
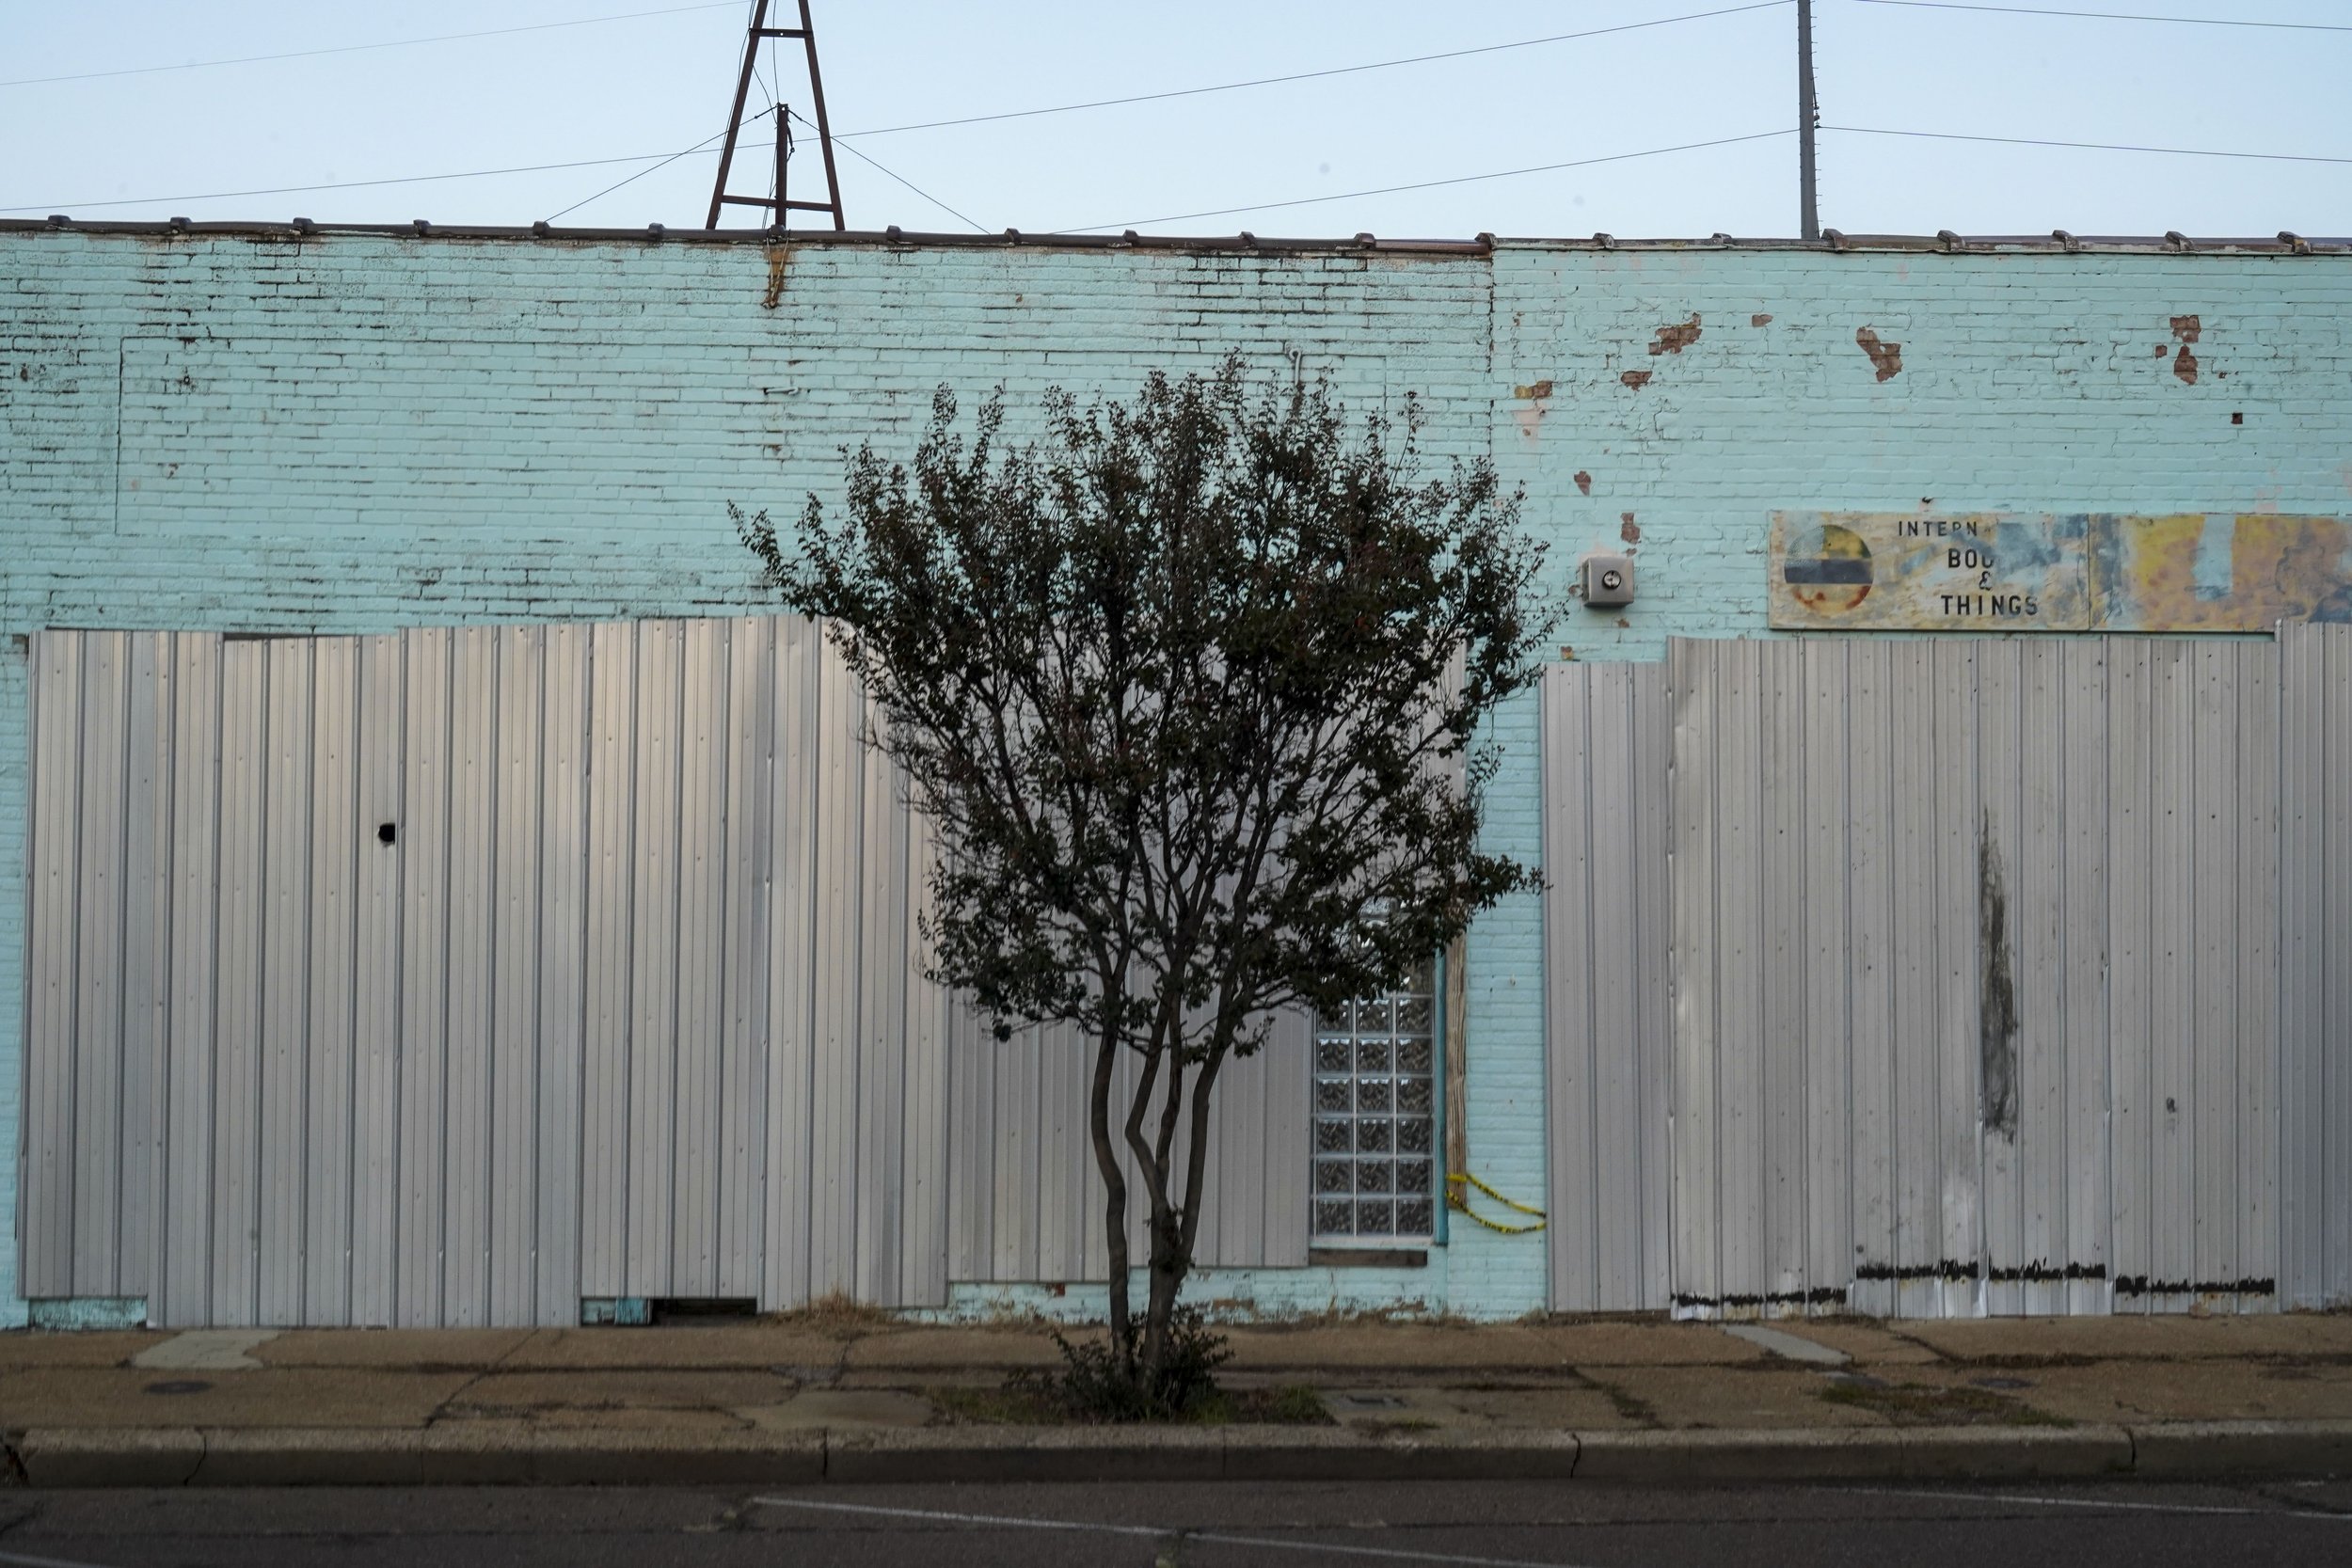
<point>1191,687</point>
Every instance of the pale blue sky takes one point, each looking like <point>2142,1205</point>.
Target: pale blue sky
<point>656,84</point>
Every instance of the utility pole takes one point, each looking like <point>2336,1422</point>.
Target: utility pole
<point>783,154</point>
<point>1808,214</point>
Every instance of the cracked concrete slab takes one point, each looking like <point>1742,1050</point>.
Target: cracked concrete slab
<point>150,1397</point>
<point>953,1347</point>
<point>78,1348</point>
<point>390,1347</point>
<point>1558,1409</point>
<point>1758,1397</point>
<point>634,1399</point>
<point>1788,1346</point>
<point>206,1349</point>
<point>750,1345</point>
<point>842,1407</point>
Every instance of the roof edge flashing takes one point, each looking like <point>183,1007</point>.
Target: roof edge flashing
<point>303,230</point>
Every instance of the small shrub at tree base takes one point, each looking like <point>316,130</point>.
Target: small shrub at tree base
<point>1095,1380</point>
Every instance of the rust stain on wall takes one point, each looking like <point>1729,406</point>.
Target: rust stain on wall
<point>1585,481</point>
<point>1676,336</point>
<point>1887,356</point>
<point>1635,379</point>
<point>2186,328</point>
<point>2185,365</point>
<point>1997,993</point>
<point>779,257</point>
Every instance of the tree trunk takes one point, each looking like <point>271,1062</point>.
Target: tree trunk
<point>1168,1266</point>
<point>1115,1184</point>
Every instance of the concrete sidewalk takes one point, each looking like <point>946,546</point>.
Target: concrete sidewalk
<point>847,1398</point>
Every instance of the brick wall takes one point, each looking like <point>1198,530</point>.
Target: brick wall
<point>355,432</point>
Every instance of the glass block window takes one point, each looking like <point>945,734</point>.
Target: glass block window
<point>1375,1172</point>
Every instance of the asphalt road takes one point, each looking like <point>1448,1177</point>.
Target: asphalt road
<point>1293,1525</point>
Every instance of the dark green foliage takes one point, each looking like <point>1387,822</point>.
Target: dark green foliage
<point>1189,687</point>
<point>1098,1379</point>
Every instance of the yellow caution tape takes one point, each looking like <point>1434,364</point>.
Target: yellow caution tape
<point>1459,1203</point>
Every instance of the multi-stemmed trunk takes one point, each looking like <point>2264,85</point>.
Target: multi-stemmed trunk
<point>1173,1226</point>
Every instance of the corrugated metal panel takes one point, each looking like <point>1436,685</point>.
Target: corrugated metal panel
<point>1606,1005</point>
<point>2314,1092</point>
<point>1027,1203</point>
<point>630,1003</point>
<point>2129,849</point>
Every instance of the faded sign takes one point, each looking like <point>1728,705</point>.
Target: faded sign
<point>2005,571</point>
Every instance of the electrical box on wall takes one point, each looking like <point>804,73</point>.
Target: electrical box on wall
<point>1605,581</point>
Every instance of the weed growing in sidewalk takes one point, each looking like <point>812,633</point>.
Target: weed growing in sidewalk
<point>1090,1386</point>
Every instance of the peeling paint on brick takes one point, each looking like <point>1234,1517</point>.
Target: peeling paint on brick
<point>2185,366</point>
<point>1762,318</point>
<point>1630,530</point>
<point>1887,356</point>
<point>1532,390</point>
<point>2186,328</point>
<point>1585,481</point>
<point>1635,379</point>
<point>1676,336</point>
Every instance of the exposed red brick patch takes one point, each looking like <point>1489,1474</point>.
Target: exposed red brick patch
<point>1584,482</point>
<point>1887,356</point>
<point>1676,336</point>
<point>1533,390</point>
<point>1761,319</point>
<point>1635,379</point>
<point>1630,530</point>
<point>2186,328</point>
<point>2185,365</point>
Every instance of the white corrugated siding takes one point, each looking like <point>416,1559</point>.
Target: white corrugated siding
<point>631,1006</point>
<point>1605,998</point>
<point>2173,862</point>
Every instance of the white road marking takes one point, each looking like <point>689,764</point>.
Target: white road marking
<point>2080,1502</point>
<point>19,1560</point>
<point>1210,1537</point>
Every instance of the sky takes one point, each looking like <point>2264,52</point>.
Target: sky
<point>1305,157</point>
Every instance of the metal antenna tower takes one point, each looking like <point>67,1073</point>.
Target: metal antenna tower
<point>777,202</point>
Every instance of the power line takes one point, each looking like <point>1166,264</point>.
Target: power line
<point>1311,75</point>
<point>893,173</point>
<point>358,48</point>
<point>341,184</point>
<point>665,163</point>
<point>2115,16</point>
<point>2090,145</point>
<point>1426,184</point>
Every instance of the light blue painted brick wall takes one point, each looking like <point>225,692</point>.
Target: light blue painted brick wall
<point>359,432</point>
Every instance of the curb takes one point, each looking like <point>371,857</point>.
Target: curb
<point>187,1456</point>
